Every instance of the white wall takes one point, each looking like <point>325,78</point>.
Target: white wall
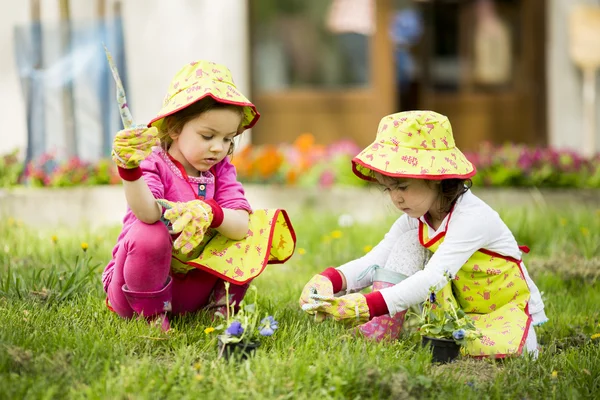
<point>565,96</point>
<point>12,106</point>
<point>160,37</point>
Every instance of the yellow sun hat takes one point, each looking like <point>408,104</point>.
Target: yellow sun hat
<point>199,79</point>
<point>413,144</point>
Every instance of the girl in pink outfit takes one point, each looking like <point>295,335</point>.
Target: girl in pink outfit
<point>176,261</point>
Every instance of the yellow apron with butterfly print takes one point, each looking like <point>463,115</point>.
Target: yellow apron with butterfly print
<point>492,290</point>
<point>270,240</point>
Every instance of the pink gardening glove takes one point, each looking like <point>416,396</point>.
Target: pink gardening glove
<point>327,283</point>
<point>191,219</point>
<point>352,307</point>
<point>132,146</point>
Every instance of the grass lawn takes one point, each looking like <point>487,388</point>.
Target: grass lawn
<point>58,340</point>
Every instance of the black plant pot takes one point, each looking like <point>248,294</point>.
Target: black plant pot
<point>237,351</point>
<point>443,350</point>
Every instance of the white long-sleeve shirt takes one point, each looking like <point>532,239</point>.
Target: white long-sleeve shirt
<point>473,226</point>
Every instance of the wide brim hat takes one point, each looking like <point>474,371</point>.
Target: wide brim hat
<point>413,144</point>
<point>198,80</point>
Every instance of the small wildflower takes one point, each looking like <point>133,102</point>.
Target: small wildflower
<point>595,336</point>
<point>54,239</point>
<point>554,374</point>
<point>584,231</point>
<point>84,246</point>
<point>562,221</point>
<point>11,221</point>
<point>367,248</point>
<point>336,234</point>
<point>235,329</point>
<point>301,251</point>
<point>269,325</point>
<point>209,330</point>
<point>167,306</point>
<point>432,297</point>
<point>197,366</point>
<point>199,377</point>
<point>458,334</point>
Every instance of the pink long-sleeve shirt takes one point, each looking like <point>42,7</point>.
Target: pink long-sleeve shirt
<point>167,180</point>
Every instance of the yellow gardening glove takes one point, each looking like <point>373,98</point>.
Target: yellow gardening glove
<point>191,218</point>
<point>351,307</point>
<point>320,285</point>
<point>131,146</point>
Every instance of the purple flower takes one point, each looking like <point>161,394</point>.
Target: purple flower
<point>432,297</point>
<point>268,326</point>
<point>235,329</point>
<point>459,334</point>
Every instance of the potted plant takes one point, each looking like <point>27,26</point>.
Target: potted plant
<point>240,333</point>
<point>444,330</point>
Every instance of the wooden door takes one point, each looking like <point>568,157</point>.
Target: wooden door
<point>500,108</point>
<point>302,84</point>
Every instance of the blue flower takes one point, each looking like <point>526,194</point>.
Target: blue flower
<point>235,329</point>
<point>459,334</point>
<point>268,326</point>
<point>432,297</point>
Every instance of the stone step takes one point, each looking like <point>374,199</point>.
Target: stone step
<point>99,206</point>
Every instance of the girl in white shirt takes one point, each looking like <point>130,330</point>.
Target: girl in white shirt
<point>446,236</point>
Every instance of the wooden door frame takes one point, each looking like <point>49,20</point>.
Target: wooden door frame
<point>529,89</point>
<point>368,105</point>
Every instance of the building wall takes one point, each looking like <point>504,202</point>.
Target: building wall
<point>160,37</point>
<point>565,96</point>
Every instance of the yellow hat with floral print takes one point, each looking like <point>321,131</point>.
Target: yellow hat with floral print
<point>413,144</point>
<point>199,79</point>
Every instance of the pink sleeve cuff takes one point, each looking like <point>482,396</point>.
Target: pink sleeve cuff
<point>377,305</point>
<point>130,175</point>
<point>335,277</point>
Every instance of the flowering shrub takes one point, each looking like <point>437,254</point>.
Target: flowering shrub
<point>301,163</point>
<point>48,171</point>
<point>245,326</point>
<point>518,165</point>
<point>306,163</point>
<point>10,169</point>
<point>435,322</point>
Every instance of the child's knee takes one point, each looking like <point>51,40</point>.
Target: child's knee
<point>408,254</point>
<point>149,238</point>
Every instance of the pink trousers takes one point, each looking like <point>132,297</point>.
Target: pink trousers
<point>143,265</point>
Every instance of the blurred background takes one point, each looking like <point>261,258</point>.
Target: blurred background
<point>519,71</point>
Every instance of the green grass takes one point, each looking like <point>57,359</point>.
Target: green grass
<point>58,340</point>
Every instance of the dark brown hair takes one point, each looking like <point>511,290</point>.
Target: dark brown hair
<point>451,190</point>
<point>174,123</point>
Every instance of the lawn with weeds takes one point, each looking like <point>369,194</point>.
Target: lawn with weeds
<point>58,339</point>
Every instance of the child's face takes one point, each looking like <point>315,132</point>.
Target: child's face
<point>415,197</point>
<point>205,140</point>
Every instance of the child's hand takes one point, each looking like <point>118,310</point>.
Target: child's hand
<point>349,307</point>
<point>191,218</point>
<point>318,284</point>
<point>133,145</point>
